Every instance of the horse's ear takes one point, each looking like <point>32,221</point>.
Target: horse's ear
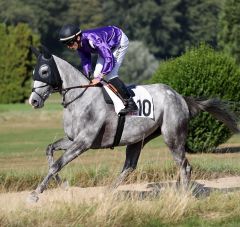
<point>35,51</point>
<point>46,52</point>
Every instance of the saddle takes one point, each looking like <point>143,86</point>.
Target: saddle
<point>141,97</point>
<point>109,100</point>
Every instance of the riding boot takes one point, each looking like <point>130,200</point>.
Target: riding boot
<point>129,104</point>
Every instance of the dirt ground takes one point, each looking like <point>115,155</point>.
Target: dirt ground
<point>19,200</point>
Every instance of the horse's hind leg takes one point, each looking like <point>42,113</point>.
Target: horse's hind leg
<point>132,155</point>
<point>61,144</point>
<point>175,138</point>
<point>185,168</point>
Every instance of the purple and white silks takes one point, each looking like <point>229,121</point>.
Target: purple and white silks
<point>110,43</point>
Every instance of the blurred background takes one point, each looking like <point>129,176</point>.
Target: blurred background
<point>158,30</point>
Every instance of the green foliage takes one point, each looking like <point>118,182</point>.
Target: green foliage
<point>138,65</point>
<point>166,27</point>
<point>16,62</point>
<point>229,35</point>
<point>203,72</point>
<point>87,14</point>
<point>198,19</point>
<point>153,22</point>
<point>16,11</point>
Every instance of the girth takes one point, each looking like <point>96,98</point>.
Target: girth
<point>119,131</point>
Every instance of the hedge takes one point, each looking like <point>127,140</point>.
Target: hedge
<point>16,62</point>
<point>203,72</point>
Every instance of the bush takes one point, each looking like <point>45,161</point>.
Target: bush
<point>16,62</point>
<point>203,72</point>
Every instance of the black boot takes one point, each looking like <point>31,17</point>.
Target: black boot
<point>130,105</point>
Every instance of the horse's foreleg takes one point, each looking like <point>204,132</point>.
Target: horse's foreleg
<point>61,144</point>
<point>70,154</point>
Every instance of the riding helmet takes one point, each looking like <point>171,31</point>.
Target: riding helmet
<point>68,33</point>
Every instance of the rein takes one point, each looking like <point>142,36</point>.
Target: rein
<point>64,91</point>
<point>80,86</point>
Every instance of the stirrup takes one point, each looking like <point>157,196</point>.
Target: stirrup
<point>129,109</point>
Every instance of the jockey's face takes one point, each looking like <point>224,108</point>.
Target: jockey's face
<point>74,45</point>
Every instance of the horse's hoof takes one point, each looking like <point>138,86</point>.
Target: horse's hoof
<point>64,185</point>
<point>33,197</point>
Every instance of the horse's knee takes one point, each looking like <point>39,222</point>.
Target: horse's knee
<point>49,150</point>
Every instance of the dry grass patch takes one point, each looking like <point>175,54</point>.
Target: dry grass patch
<point>102,209</point>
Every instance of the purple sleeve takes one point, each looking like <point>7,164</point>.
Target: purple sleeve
<point>86,62</point>
<point>105,52</point>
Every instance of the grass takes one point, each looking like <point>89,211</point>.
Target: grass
<point>24,135</point>
<point>172,208</point>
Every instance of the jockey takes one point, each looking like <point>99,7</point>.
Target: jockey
<point>110,43</point>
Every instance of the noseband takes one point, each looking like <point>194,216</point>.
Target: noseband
<point>42,96</point>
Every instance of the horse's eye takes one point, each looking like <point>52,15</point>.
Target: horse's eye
<point>44,71</point>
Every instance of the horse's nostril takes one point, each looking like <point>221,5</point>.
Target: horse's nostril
<point>34,102</point>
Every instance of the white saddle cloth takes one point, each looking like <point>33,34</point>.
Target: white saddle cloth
<point>142,99</point>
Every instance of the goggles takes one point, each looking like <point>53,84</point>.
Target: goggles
<point>69,42</point>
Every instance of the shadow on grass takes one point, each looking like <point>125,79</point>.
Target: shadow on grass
<point>156,189</point>
<point>223,150</point>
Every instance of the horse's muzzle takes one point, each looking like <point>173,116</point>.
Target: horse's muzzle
<point>36,102</point>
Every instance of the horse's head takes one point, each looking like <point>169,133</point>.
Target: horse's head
<point>45,76</point>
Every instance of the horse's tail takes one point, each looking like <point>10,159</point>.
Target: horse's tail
<point>216,108</point>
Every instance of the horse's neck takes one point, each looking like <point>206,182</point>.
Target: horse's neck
<point>69,75</point>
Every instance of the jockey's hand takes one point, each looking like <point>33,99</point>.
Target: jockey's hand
<point>89,75</point>
<point>95,81</point>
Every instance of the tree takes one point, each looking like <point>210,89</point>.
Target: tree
<point>16,62</point>
<point>86,14</point>
<point>16,11</point>
<point>44,17</point>
<point>152,22</point>
<point>166,27</point>
<point>138,65</point>
<point>229,34</point>
<point>199,20</point>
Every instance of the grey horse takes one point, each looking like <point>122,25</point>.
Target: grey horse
<point>90,123</point>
